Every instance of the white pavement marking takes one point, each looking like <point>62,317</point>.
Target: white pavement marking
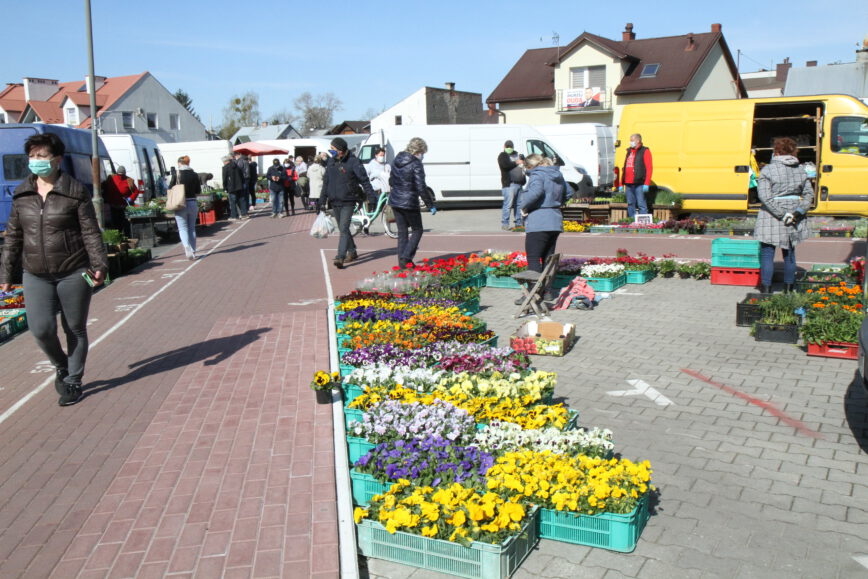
<point>26,398</point>
<point>862,560</point>
<point>642,387</point>
<point>307,302</point>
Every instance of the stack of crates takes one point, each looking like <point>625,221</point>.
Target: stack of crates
<point>735,262</point>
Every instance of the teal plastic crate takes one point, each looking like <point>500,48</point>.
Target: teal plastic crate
<point>351,392</point>
<point>358,447</point>
<point>606,530</point>
<point>7,328</point>
<point>365,486</point>
<point>477,280</point>
<point>737,261</point>
<point>353,414</point>
<point>640,276</point>
<point>470,307</point>
<point>505,282</point>
<point>478,561</point>
<point>492,341</point>
<point>345,368</point>
<point>828,267</point>
<point>737,253</point>
<point>607,284</point>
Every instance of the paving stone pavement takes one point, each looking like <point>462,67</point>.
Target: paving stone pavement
<point>741,492</point>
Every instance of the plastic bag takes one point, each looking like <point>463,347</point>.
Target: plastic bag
<point>322,226</point>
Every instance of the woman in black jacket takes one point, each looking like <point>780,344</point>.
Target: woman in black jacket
<point>53,236</point>
<point>407,181</point>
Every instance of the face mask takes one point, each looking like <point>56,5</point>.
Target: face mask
<point>40,167</point>
<point>420,156</point>
<point>381,159</point>
<point>633,144</point>
<point>333,153</point>
<point>286,165</point>
<point>508,151</point>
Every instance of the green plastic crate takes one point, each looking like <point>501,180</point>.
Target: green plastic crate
<point>365,486</point>
<point>505,282</point>
<point>640,276</point>
<point>607,284</point>
<point>7,328</point>
<point>477,280</point>
<point>737,253</point>
<point>351,392</point>
<point>345,368</point>
<point>828,267</point>
<point>606,530</point>
<point>470,307</point>
<point>358,447</point>
<point>478,561</point>
<point>353,415</point>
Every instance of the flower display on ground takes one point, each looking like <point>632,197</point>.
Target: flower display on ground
<point>323,380</point>
<point>453,513</point>
<point>502,437</point>
<point>834,314</point>
<point>385,377</point>
<point>393,420</point>
<point>535,385</point>
<point>602,270</point>
<point>579,484</point>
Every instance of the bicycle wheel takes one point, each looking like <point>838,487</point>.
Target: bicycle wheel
<point>389,225</point>
<point>355,226</point>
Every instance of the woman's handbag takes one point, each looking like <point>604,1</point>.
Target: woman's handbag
<point>175,199</point>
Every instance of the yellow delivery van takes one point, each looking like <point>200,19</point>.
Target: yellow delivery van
<point>703,149</point>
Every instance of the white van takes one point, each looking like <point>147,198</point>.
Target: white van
<point>307,147</point>
<point>591,145</point>
<point>461,162</point>
<point>142,159</point>
<point>205,157</point>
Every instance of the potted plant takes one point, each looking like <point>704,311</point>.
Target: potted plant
<point>667,205</point>
<point>113,239</point>
<point>833,330</point>
<point>618,208</point>
<point>779,321</point>
<point>323,383</point>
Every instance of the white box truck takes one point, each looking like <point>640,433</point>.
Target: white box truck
<point>461,162</point>
<point>591,145</point>
<point>142,159</point>
<point>205,157</point>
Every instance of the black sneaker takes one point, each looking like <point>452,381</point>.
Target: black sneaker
<point>351,257</point>
<point>338,263</point>
<point>71,396</point>
<point>59,385</point>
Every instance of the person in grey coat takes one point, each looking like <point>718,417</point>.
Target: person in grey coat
<point>785,194</point>
<point>541,207</point>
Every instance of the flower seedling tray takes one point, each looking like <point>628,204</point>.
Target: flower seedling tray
<point>352,414</point>
<point>602,228</point>
<point>501,282</point>
<point>817,279</point>
<point>828,267</point>
<point>607,284</point>
<point>478,280</point>
<point>735,276</point>
<point>351,392</point>
<point>843,232</point>
<point>640,276</point>
<point>781,333</point>
<point>843,350</point>
<point>748,311</point>
<point>478,561</point>
<point>611,531</point>
<point>345,368</point>
<point>543,338</point>
<point>470,307</point>
<point>365,486</point>
<point>358,447</point>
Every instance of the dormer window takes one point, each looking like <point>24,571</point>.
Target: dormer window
<point>649,71</point>
<point>71,115</point>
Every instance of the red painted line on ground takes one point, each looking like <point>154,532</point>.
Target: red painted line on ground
<point>767,406</point>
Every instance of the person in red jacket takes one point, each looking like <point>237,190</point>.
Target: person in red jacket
<point>637,176</point>
<point>119,191</point>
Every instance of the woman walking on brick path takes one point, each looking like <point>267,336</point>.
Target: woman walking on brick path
<point>185,218</point>
<point>52,240</point>
<point>407,181</point>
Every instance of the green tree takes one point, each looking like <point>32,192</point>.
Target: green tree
<point>242,111</point>
<point>182,97</point>
<point>317,111</point>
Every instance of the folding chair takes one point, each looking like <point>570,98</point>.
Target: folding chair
<point>534,285</point>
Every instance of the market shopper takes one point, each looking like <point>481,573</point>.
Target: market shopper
<point>636,173</point>
<point>785,195</point>
<point>52,239</point>
<point>407,183</point>
<point>507,160</point>
<point>345,183</point>
<point>541,206</point>
<point>233,183</point>
<point>315,172</point>
<point>274,176</point>
<point>185,218</point>
<point>119,191</point>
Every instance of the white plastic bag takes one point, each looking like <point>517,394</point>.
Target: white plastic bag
<point>322,226</point>
<point>332,224</point>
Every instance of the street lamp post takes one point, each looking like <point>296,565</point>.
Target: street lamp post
<point>94,141</point>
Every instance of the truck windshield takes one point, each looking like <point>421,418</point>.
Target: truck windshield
<point>850,135</point>
<point>541,148</point>
<point>15,167</point>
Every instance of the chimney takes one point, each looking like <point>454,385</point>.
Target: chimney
<point>691,44</point>
<point>628,35</point>
<point>98,81</point>
<point>811,63</point>
<point>782,70</point>
<point>716,28</point>
<point>450,86</point>
<point>862,53</point>
<point>39,89</point>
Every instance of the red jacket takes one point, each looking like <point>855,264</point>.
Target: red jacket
<point>119,191</point>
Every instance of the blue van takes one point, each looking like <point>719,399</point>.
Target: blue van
<point>76,161</point>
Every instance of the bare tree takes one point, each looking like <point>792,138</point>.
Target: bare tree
<point>317,112</point>
<point>283,117</point>
<point>371,113</point>
<point>242,111</point>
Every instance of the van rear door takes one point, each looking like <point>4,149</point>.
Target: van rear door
<point>13,169</point>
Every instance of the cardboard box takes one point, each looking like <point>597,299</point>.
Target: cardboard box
<point>543,338</point>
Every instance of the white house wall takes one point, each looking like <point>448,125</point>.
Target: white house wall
<point>713,80</point>
<point>529,113</point>
<point>412,110</point>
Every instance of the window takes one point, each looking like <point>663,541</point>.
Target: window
<point>128,120</point>
<point>542,148</point>
<point>174,122</point>
<point>71,116</point>
<point>398,119</point>
<point>2,118</point>
<point>152,121</point>
<point>15,167</point>
<point>588,76</point>
<point>850,135</point>
<point>649,71</point>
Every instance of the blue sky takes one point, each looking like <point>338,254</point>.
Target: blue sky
<point>371,55</point>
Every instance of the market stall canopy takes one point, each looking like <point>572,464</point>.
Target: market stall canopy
<point>254,148</point>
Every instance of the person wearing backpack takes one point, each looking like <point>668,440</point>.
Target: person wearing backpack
<point>289,181</point>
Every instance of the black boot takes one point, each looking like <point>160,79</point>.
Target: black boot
<point>789,288</point>
<point>59,384</point>
<point>766,289</point>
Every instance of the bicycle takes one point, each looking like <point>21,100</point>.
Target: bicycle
<point>362,219</point>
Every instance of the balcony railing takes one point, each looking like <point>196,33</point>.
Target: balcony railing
<point>573,101</point>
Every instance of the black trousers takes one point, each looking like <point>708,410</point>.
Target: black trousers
<point>539,245</point>
<point>409,225</point>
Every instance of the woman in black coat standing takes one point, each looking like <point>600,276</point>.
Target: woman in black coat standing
<point>407,181</point>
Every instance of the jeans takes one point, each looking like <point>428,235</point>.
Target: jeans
<point>344,214</point>
<point>539,245</point>
<point>276,202</point>
<point>635,200</point>
<point>511,197</point>
<point>767,264</point>
<point>186,220</point>
<point>409,225</point>
<point>238,204</point>
<point>70,295</point>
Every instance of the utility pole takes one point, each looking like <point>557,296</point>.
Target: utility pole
<point>94,140</point>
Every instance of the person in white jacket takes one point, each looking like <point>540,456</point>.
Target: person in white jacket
<point>378,172</point>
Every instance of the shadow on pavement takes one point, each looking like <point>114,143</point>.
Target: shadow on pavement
<point>211,352</point>
<point>856,411</point>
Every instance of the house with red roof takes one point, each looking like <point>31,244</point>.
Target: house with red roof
<point>137,104</point>
<point>592,78</point>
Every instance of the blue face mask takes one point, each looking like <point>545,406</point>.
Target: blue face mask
<point>333,153</point>
<point>40,167</point>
